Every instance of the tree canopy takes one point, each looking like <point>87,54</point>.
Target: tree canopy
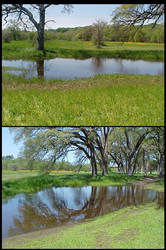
<point>129,148</point>
<point>131,14</point>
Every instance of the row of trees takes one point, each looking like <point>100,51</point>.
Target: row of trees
<point>20,163</point>
<point>125,16</point>
<point>100,31</point>
<point>131,149</point>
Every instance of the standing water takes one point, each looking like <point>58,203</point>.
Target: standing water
<point>69,68</point>
<point>53,207</point>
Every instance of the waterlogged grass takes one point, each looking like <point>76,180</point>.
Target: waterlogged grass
<point>140,227</point>
<point>123,100</point>
<point>158,185</point>
<point>7,68</point>
<point>82,49</point>
<point>29,184</point>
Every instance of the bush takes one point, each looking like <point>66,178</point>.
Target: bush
<point>13,167</point>
<point>6,36</point>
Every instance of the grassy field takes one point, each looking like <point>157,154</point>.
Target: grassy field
<point>82,49</point>
<point>140,227</point>
<point>123,100</point>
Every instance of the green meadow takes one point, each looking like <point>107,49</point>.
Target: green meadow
<point>102,99</point>
<point>121,100</point>
<point>83,49</point>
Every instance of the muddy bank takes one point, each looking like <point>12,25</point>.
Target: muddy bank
<point>145,181</point>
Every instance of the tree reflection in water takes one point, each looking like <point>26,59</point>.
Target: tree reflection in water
<point>58,206</point>
<point>40,68</point>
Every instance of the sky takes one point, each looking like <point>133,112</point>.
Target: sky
<point>81,15</point>
<point>11,148</point>
<point>8,145</point>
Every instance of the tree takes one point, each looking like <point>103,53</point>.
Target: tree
<point>6,35</point>
<point>132,14</point>
<point>126,147</point>
<point>29,10</point>
<point>53,143</point>
<point>129,147</point>
<point>8,157</point>
<point>98,35</point>
<point>157,144</point>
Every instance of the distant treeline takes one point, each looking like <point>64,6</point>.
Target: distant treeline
<point>9,163</point>
<point>15,164</point>
<point>111,33</point>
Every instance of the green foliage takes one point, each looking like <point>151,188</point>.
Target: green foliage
<point>6,36</point>
<point>43,167</point>
<point>98,34</point>
<point>109,33</point>
<point>9,157</point>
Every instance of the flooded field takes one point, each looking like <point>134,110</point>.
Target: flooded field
<point>69,68</point>
<point>53,207</point>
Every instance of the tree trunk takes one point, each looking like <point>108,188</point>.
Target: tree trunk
<point>104,171</point>
<point>161,166</point>
<point>40,28</point>
<point>40,39</point>
<point>93,162</point>
<point>94,167</point>
<point>144,164</point>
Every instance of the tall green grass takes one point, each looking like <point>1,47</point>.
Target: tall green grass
<point>123,100</point>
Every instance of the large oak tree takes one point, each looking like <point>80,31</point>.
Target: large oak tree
<point>124,146</point>
<point>36,14</point>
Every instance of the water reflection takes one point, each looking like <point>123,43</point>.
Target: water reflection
<point>97,62</point>
<point>57,206</point>
<point>40,68</point>
<point>69,68</point>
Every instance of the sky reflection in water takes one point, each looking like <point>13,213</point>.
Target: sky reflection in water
<point>65,205</point>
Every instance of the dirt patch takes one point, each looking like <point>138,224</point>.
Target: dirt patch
<point>24,238</point>
<point>145,181</point>
<point>102,240</point>
<point>127,234</point>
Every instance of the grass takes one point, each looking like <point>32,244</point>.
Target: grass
<point>140,227</point>
<point>158,185</point>
<point>82,49</point>
<point>123,100</point>
<point>8,174</point>
<point>27,184</point>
